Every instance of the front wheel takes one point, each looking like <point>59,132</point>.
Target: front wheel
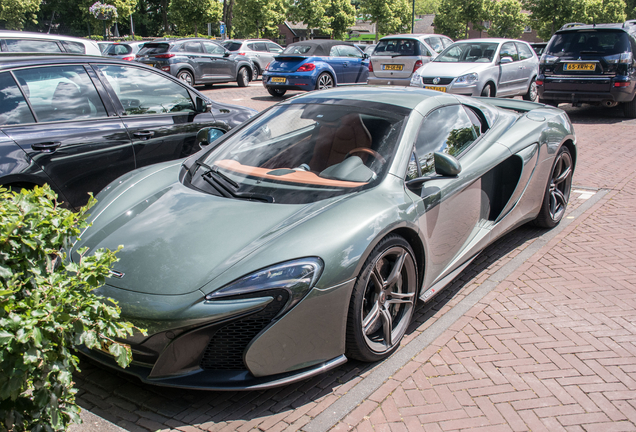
<point>256,72</point>
<point>243,79</point>
<point>324,81</point>
<point>275,92</point>
<point>557,193</point>
<point>186,77</point>
<point>532,93</point>
<point>383,301</point>
<point>487,90</point>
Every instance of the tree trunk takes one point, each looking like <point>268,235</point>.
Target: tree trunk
<point>196,30</point>
<point>164,10</point>
<point>228,18</point>
<point>377,32</point>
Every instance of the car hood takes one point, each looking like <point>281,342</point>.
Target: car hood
<point>439,69</point>
<point>177,239</point>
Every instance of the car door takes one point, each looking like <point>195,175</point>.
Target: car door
<point>337,63</point>
<point>260,54</point>
<point>158,112</point>
<point>529,66</point>
<point>450,130</point>
<point>220,65</point>
<point>193,51</point>
<point>73,139</point>
<point>509,73</point>
<point>356,69</point>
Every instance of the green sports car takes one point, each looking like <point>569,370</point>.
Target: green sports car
<point>307,235</point>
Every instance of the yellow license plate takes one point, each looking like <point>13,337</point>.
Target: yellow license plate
<point>442,89</point>
<point>393,67</point>
<point>579,66</point>
<point>278,79</point>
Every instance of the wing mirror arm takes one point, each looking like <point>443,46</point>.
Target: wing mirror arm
<point>445,166</point>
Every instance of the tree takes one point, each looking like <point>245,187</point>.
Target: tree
<point>390,16</point>
<point>506,19</point>
<point>343,16</point>
<point>547,16</point>
<point>259,17</point>
<point>188,15</point>
<point>15,13</point>
<point>425,7</point>
<point>455,15</point>
<point>605,11</point>
<point>313,13</point>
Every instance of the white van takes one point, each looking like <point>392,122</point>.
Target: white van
<point>20,41</point>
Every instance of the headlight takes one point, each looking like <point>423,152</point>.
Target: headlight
<point>416,80</point>
<point>296,277</point>
<point>625,57</point>
<point>467,79</point>
<point>547,59</point>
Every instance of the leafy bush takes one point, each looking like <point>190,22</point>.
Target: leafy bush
<point>46,307</point>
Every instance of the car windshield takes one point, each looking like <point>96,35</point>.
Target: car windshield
<point>304,152</point>
<point>297,49</point>
<point>154,48</point>
<point>468,52</point>
<point>397,47</point>
<point>232,46</point>
<point>574,43</point>
<point>118,49</point>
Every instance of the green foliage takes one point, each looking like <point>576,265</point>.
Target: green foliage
<point>193,15</point>
<point>313,13</point>
<point>46,307</point>
<point>605,11</point>
<point>258,18</point>
<point>425,7</point>
<point>343,16</point>
<point>390,16</point>
<point>506,19</point>
<point>455,15</point>
<point>15,13</point>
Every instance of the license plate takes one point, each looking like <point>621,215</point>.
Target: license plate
<point>579,66</point>
<point>105,346</point>
<point>441,89</point>
<point>278,80</point>
<point>393,67</point>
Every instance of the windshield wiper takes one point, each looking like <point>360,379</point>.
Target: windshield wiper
<point>228,187</point>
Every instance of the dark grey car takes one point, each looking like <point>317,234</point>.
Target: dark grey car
<point>197,61</point>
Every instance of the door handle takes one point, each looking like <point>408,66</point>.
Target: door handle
<point>46,146</point>
<point>144,135</point>
<point>345,64</point>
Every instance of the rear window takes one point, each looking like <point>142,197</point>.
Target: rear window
<point>574,43</point>
<point>232,46</point>
<point>297,49</point>
<point>74,47</point>
<point>117,49</point>
<point>32,45</point>
<point>154,48</point>
<point>397,47</point>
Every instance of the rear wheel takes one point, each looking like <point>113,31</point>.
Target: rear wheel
<point>256,72</point>
<point>532,93</point>
<point>383,301</point>
<point>557,193</point>
<point>324,81</point>
<point>487,90</point>
<point>186,77</point>
<point>243,79</point>
<point>275,92</point>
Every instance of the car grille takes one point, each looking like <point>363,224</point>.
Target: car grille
<point>442,81</point>
<point>226,348</point>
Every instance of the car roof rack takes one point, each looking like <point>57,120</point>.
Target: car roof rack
<point>629,22</point>
<point>572,24</point>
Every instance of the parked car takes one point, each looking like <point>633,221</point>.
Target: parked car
<point>590,64</point>
<point>103,45</point>
<point>337,211</point>
<point>124,50</point>
<point>369,49</point>
<point>260,51</point>
<point>483,67</point>
<point>316,64</point>
<point>397,57</point>
<point>80,122</point>
<point>21,41</point>
<point>197,61</point>
<point>539,47</point>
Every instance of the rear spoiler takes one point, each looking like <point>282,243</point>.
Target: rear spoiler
<point>290,57</point>
<point>511,104</point>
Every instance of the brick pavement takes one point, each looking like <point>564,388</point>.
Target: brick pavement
<point>551,348</point>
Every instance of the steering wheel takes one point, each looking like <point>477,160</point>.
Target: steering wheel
<point>377,156</point>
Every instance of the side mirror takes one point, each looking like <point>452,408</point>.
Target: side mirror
<point>202,105</point>
<point>207,136</point>
<point>226,53</point>
<point>365,56</point>
<point>446,165</point>
<point>505,60</point>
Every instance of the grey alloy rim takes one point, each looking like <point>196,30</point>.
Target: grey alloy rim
<point>560,184</point>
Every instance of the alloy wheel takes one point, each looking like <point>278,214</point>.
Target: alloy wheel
<point>325,81</point>
<point>533,93</point>
<point>186,77</point>
<point>389,298</point>
<point>560,185</point>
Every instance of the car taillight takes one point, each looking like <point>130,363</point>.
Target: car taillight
<point>622,84</point>
<point>267,67</point>
<point>539,82</point>
<point>370,66</point>
<point>418,64</point>
<point>306,67</point>
<point>129,58</point>
<point>165,68</point>
<point>165,56</point>
<point>241,53</point>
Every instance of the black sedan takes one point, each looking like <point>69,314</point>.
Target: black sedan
<point>79,122</point>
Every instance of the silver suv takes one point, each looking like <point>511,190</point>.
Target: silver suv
<point>397,57</point>
<point>260,51</point>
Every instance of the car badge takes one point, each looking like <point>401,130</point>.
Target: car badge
<point>436,80</point>
<point>579,58</point>
<point>116,274</point>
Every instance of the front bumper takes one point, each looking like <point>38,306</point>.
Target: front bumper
<point>585,90</point>
<point>389,81</point>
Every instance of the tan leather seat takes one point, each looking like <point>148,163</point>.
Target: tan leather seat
<point>335,140</point>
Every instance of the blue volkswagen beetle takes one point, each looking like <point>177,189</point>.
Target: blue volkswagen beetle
<point>316,64</point>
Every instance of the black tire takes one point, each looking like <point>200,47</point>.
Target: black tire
<point>487,91</point>
<point>276,92</point>
<point>532,93</point>
<point>557,192</point>
<point>209,85</point>
<point>256,72</point>
<point>382,302</point>
<point>629,109</point>
<point>324,81</point>
<point>243,78</point>
<point>186,77</point>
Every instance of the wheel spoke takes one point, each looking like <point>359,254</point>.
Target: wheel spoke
<point>370,320</point>
<point>564,175</point>
<point>387,327</point>
<point>400,298</point>
<point>559,198</point>
<point>396,271</point>
<point>377,279</point>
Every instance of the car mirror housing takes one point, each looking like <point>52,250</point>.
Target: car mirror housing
<point>207,136</point>
<point>505,60</point>
<point>446,165</point>
<point>202,106</point>
<point>226,53</point>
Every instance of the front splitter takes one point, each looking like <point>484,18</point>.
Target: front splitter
<point>217,380</point>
